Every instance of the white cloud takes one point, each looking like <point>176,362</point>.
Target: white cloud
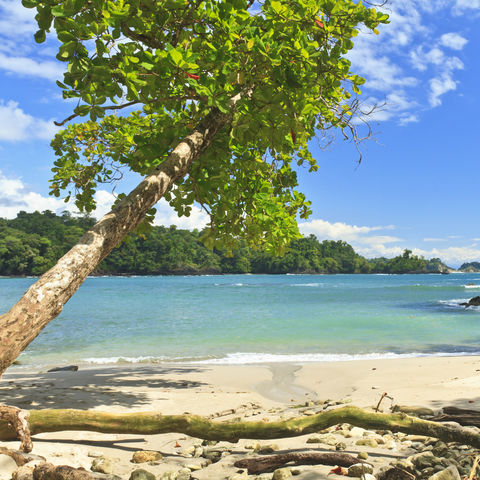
<point>16,196</point>
<point>409,40</point>
<point>464,6</point>
<point>15,19</point>
<point>395,105</point>
<point>453,256</point>
<point>434,239</point>
<point>17,125</point>
<point>453,40</point>
<point>167,216</point>
<point>440,86</point>
<point>17,53</point>
<point>359,236</point>
<point>406,119</point>
<point>49,70</point>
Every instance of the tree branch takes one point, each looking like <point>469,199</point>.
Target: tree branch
<point>112,107</point>
<point>135,102</point>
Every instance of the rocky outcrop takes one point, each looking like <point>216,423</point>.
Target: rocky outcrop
<point>471,267</point>
<point>473,302</point>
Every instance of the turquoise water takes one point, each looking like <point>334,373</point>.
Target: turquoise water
<point>257,318</point>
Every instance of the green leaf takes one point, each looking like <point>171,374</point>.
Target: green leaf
<point>176,56</point>
<point>29,3</point>
<point>40,36</point>
<point>58,11</point>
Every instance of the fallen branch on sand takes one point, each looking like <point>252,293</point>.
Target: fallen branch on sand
<point>146,423</point>
<point>459,415</point>
<point>270,463</point>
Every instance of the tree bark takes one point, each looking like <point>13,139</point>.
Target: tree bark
<point>270,463</point>
<point>154,423</point>
<point>45,299</point>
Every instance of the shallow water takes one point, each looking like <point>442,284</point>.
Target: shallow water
<point>257,318</point>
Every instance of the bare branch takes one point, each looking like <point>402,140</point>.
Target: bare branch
<point>135,102</point>
<point>112,107</point>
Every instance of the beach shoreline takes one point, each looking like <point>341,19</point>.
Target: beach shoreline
<point>225,392</point>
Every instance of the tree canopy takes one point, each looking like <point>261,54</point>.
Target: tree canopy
<point>172,62</point>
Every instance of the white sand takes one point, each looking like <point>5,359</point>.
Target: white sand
<point>251,390</point>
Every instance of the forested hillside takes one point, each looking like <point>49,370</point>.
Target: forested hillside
<point>32,242</point>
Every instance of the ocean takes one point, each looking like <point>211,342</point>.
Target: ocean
<point>238,319</point>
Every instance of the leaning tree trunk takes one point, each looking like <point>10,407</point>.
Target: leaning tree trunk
<point>45,299</point>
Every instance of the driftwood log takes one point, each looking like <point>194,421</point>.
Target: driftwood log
<point>17,419</point>
<point>21,458</point>
<point>154,423</point>
<point>462,416</point>
<point>271,462</point>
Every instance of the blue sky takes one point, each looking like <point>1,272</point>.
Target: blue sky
<point>417,186</point>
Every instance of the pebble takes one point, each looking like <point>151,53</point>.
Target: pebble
<point>391,445</point>
<point>417,438</point>
<point>340,446</point>
<point>367,442</point>
<point>239,476</point>
<point>188,451</point>
<point>359,469</point>
<point>357,432</point>
<point>141,474</point>
<point>22,473</point>
<point>102,465</point>
<point>325,439</point>
<point>209,443</point>
<point>281,473</point>
<point>266,449</point>
<point>423,460</point>
<point>143,456</point>
<point>198,452</point>
<point>184,474</point>
<point>362,455</point>
<point>169,476</point>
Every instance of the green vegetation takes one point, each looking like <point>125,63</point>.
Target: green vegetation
<point>471,267</point>
<point>31,243</point>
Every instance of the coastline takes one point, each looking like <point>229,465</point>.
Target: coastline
<point>226,392</point>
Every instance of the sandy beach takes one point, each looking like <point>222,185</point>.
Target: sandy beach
<point>249,392</point>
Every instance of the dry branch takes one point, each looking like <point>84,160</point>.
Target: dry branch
<point>18,419</point>
<point>267,464</point>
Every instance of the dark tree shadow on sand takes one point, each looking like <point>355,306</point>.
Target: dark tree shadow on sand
<point>93,387</point>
